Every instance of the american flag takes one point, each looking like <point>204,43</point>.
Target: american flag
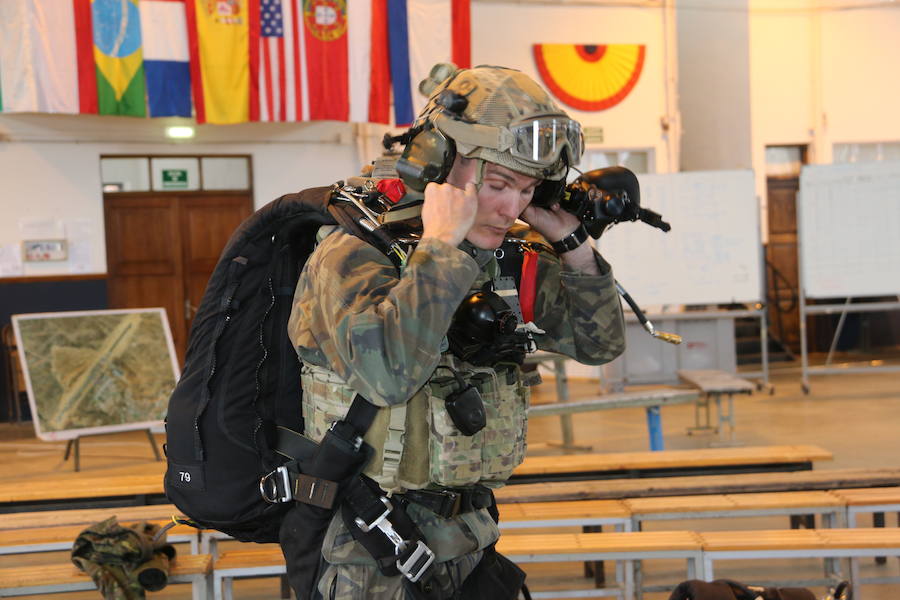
<point>277,76</point>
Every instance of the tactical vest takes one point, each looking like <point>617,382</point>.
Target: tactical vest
<point>416,443</point>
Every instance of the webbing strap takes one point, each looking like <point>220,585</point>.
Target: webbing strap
<point>393,444</point>
<point>361,414</point>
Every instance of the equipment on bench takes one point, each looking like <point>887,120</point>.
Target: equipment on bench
<point>726,589</point>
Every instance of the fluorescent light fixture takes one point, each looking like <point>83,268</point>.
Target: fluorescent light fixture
<point>180,132</point>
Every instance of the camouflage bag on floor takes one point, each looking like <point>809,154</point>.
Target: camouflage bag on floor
<point>124,562</point>
<point>726,589</point>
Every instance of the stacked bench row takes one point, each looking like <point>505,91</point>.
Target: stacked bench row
<point>23,533</point>
<point>213,578</point>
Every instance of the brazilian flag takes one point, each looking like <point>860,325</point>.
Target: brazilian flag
<point>119,58</point>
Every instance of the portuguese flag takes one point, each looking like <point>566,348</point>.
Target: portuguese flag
<point>118,56</point>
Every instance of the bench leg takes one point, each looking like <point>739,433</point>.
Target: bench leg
<point>594,568</point>
<point>201,588</point>
<point>629,581</point>
<point>855,579</point>
<point>878,521</point>
<point>654,429</point>
<point>707,573</point>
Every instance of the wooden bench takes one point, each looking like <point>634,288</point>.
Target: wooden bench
<point>61,537</point>
<point>613,489</point>
<point>525,548</point>
<point>195,569</point>
<point>79,491</point>
<point>714,384</point>
<point>801,543</point>
<point>49,518</point>
<point>617,465</point>
<point>873,500</point>
<point>650,400</point>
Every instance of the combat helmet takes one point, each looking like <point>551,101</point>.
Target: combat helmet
<point>493,114</point>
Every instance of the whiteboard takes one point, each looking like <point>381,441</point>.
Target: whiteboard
<point>848,227</point>
<point>712,254</point>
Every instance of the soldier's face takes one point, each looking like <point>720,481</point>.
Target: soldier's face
<point>503,196</point>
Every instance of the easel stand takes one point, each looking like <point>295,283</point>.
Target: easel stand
<point>73,447</point>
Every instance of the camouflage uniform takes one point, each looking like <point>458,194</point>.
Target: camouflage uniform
<point>359,326</point>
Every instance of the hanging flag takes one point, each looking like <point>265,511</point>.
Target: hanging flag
<point>166,57</point>
<point>276,67</point>
<point>369,79</point>
<point>590,77</point>
<point>325,37</point>
<point>119,58</point>
<point>423,33</point>
<point>219,42</point>
<point>39,69</point>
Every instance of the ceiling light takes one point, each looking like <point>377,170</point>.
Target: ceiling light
<point>180,132</point>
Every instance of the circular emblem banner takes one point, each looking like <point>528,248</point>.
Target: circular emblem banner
<point>590,77</point>
<point>326,20</point>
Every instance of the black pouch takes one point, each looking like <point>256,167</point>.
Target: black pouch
<point>725,589</point>
<point>301,535</point>
<point>495,578</point>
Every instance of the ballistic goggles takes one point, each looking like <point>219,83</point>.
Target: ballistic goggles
<point>537,140</point>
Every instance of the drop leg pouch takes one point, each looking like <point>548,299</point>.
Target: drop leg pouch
<point>300,537</point>
<point>495,578</point>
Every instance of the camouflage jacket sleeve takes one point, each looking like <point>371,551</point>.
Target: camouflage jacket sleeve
<point>378,331</point>
<point>581,313</point>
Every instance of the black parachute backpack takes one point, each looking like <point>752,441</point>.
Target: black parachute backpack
<point>241,379</point>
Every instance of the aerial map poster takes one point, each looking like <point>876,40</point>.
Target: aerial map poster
<point>100,371</point>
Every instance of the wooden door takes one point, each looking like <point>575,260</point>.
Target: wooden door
<point>162,248</point>
<point>206,224</point>
<point>781,253</point>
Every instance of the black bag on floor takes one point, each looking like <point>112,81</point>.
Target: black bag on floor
<point>725,589</point>
<point>241,379</point>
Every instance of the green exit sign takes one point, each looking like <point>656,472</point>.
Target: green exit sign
<point>174,179</point>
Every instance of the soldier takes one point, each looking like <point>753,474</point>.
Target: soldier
<point>406,341</point>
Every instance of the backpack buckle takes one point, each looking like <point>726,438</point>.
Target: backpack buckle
<point>275,487</point>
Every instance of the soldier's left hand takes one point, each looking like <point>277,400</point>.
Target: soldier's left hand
<point>553,223</point>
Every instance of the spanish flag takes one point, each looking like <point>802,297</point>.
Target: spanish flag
<point>119,58</point>
<point>219,38</point>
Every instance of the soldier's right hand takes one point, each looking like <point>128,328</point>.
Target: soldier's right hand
<point>449,212</point>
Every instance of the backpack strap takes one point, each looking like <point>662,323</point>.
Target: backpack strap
<point>314,470</point>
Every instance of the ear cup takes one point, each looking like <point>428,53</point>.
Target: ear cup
<point>547,192</point>
<point>427,158</point>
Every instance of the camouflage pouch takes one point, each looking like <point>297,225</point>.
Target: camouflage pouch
<point>123,561</point>
<point>505,404</point>
<point>454,458</point>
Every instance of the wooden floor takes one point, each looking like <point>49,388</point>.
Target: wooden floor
<point>856,417</point>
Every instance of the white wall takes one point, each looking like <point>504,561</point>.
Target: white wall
<point>860,87</point>
<point>714,84</point>
<point>50,167</point>
<point>784,91</point>
<point>636,121</point>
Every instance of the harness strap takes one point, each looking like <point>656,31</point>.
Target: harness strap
<point>383,528</point>
<point>313,474</point>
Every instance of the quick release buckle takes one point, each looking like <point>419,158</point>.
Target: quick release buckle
<point>417,563</point>
<point>421,557</point>
<point>275,487</point>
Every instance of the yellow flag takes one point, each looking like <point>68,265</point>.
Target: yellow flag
<point>220,38</point>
